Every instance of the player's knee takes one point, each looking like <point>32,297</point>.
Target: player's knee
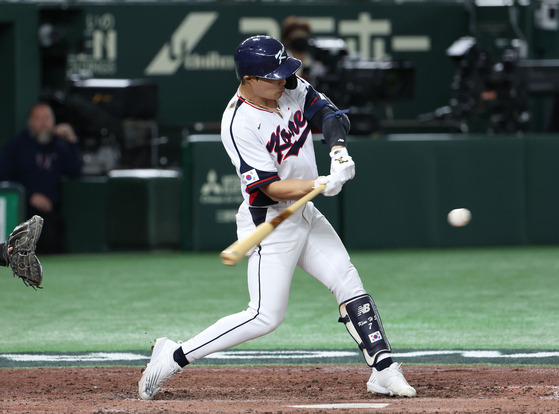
<point>269,322</point>
<point>349,285</point>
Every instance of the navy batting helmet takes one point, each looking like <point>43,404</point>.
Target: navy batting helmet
<point>264,57</point>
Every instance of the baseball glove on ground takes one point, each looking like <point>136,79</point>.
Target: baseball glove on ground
<point>22,259</point>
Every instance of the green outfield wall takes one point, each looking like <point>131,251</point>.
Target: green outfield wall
<point>11,208</point>
<point>84,208</point>
<point>404,187</point>
<point>407,184</point>
<point>542,188</point>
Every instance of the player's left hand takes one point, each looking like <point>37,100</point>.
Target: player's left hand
<point>333,184</point>
<point>342,164</point>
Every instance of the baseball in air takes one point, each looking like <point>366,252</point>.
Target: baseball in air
<point>459,217</point>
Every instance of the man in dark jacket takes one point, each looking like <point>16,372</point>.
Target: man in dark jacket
<point>38,158</point>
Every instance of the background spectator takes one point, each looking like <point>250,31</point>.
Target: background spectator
<point>38,158</point>
<point>295,35</point>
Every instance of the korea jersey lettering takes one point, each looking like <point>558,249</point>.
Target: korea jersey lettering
<point>265,146</point>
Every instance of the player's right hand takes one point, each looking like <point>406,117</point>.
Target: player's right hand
<point>333,183</point>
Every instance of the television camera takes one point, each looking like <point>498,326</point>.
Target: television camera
<point>356,83</point>
<point>496,91</point>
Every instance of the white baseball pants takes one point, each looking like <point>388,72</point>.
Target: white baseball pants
<point>306,239</point>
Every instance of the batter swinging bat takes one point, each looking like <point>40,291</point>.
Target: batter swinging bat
<point>234,253</point>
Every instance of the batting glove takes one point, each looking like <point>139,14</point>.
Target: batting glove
<point>342,164</point>
<point>333,184</point>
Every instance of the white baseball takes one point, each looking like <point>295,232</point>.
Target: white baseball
<point>459,217</point>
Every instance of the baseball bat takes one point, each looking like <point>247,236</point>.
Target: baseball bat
<point>235,252</point>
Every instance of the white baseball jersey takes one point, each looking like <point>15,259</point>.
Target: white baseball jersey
<point>265,147</point>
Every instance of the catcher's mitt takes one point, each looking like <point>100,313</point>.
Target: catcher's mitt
<point>22,259</point>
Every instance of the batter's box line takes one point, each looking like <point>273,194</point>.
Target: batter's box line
<point>291,356</point>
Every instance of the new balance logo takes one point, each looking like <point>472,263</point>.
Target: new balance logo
<point>363,309</point>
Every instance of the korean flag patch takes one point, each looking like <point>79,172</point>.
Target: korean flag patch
<point>250,177</point>
<point>375,337</point>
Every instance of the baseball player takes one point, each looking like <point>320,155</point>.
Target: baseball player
<point>266,130</point>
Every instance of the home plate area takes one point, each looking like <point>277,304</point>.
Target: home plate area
<point>281,389</point>
<point>342,405</point>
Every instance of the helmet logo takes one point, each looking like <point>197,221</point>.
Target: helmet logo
<point>281,55</point>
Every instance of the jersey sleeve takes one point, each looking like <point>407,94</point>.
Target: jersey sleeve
<point>323,114</point>
<point>309,99</point>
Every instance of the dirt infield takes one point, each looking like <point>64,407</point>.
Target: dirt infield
<point>200,389</point>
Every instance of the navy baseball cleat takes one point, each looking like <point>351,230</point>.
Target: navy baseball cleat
<point>160,368</point>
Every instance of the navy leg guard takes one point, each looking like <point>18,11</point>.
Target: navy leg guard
<point>362,320</point>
